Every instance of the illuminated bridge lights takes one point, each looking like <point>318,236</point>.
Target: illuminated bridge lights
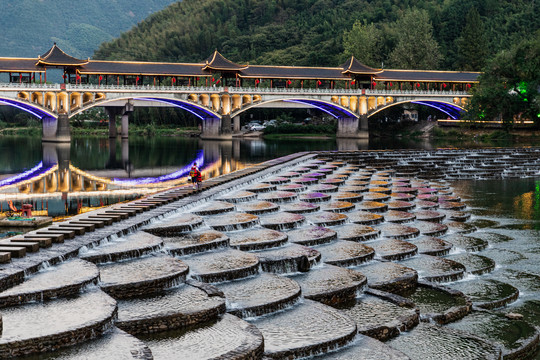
<point>330,109</point>
<point>201,113</point>
<point>451,110</point>
<point>25,107</point>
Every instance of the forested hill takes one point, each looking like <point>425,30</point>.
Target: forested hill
<point>29,27</point>
<point>451,34</point>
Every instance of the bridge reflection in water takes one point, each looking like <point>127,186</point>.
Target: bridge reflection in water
<point>56,187</point>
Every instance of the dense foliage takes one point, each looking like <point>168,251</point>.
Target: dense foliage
<point>510,87</point>
<point>311,32</point>
<point>29,27</point>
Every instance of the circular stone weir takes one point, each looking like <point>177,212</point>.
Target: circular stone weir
<point>488,293</point>
<point>175,225</point>
<point>260,295</point>
<point>395,216</point>
<point>327,219</point>
<point>337,206</point>
<point>50,325</point>
<point>282,220</point>
<point>431,341</point>
<point>300,207</point>
<point>233,221</point>
<point>394,249</point>
<point>360,183</point>
<point>372,206</point>
<point>255,239</point>
<point>214,207</point>
<point>424,190</point>
<point>429,215</point>
<point>365,218</point>
<point>427,205</point>
<point>449,205</point>
<point>376,196</point>
<point>173,309</point>
<point>288,259</point>
<point>401,205</point>
<point>239,196</point>
<point>312,235</point>
<point>290,174</point>
<point>314,197</point>
<point>440,304</point>
<point>222,265</point>
<point>399,231</point>
<point>354,189</point>
<point>305,180</point>
<point>379,318</point>
<point>143,276</point>
<point>195,242</point>
<point>365,348</point>
<point>474,264</point>
<point>292,187</point>
<point>518,337</point>
<point>346,253</point>
<point>276,180</point>
<point>348,196</point>
<point>390,277</point>
<point>115,341</point>
<point>380,183</point>
<point>457,215</point>
<point>302,169</point>
<point>258,207</point>
<point>228,338</point>
<point>434,268</point>
<point>402,196</point>
<point>324,188</point>
<point>261,188</point>
<point>316,175</point>
<point>430,245</point>
<point>357,232</point>
<point>331,284</point>
<point>428,197</point>
<point>381,190</point>
<point>429,228</point>
<point>332,181</point>
<point>279,196</point>
<point>129,247</point>
<point>448,198</point>
<point>65,279</point>
<point>304,330</point>
<point>467,243</point>
<point>405,190</point>
<point>460,227</point>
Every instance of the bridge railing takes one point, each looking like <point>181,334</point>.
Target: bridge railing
<point>232,90</point>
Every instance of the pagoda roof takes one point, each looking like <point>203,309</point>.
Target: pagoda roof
<point>56,57</point>
<point>102,67</point>
<point>218,62</point>
<point>293,72</point>
<point>353,66</point>
<point>428,76</point>
<point>19,65</point>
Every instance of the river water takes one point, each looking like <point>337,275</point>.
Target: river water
<point>506,212</point>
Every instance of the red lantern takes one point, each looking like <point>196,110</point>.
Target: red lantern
<point>173,80</point>
<point>391,84</point>
<point>217,82</point>
<point>213,79</point>
<point>444,85</point>
<point>289,82</point>
<point>257,81</point>
<point>374,84</point>
<point>469,86</point>
<point>319,82</point>
<point>100,78</point>
<point>417,84</point>
<point>353,82</point>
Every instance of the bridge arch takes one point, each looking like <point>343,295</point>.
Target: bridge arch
<point>450,108</point>
<point>335,110</point>
<point>199,111</point>
<point>31,108</point>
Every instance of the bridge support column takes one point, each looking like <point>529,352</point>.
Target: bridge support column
<point>226,124</point>
<point>56,130</point>
<point>112,112</point>
<point>212,129</point>
<point>126,110</point>
<point>353,128</point>
<point>236,124</point>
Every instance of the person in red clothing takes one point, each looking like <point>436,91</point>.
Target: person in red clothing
<point>196,176</point>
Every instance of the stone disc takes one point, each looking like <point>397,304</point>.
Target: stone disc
<point>300,207</point>
<point>312,235</point>
<point>393,249</point>
<point>214,207</point>
<point>282,221</point>
<point>255,239</point>
<point>365,218</point>
<point>233,221</point>
<point>346,253</point>
<point>327,219</point>
<point>258,207</point>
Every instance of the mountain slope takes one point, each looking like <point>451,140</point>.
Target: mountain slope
<point>29,27</point>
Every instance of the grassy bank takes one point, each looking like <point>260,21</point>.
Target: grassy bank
<point>146,130</point>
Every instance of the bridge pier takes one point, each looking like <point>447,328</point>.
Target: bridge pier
<point>56,130</point>
<point>111,113</point>
<point>214,128</point>
<point>353,128</point>
<point>236,124</point>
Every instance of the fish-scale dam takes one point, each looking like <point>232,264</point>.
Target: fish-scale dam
<point>324,255</point>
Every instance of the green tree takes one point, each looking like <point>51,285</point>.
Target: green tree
<point>510,87</point>
<point>415,48</point>
<point>364,41</point>
<point>472,45</point>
